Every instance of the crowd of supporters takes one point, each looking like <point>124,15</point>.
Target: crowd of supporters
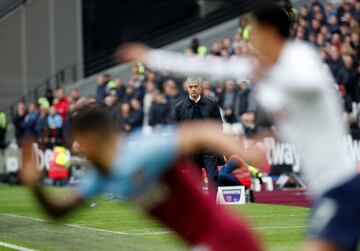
<point>147,98</point>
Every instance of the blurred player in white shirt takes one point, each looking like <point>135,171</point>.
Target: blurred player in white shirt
<point>293,85</point>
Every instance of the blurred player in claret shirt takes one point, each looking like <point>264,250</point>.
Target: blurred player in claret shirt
<point>293,85</point>
<point>148,171</point>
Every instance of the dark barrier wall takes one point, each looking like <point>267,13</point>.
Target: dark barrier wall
<point>108,23</point>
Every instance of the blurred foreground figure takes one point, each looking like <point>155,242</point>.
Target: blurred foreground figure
<point>148,172</point>
<point>293,85</point>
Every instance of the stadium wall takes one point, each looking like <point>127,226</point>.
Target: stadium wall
<point>38,39</point>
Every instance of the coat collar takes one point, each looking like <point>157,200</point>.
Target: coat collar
<point>190,102</point>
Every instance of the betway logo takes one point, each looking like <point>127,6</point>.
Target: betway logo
<point>280,153</point>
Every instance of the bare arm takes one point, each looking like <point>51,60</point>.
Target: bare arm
<point>216,67</point>
<point>196,135</point>
<point>30,176</point>
<point>55,207</point>
<point>241,67</point>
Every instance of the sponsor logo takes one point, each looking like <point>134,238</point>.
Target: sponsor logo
<point>232,195</point>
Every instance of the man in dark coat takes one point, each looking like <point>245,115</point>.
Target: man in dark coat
<point>196,107</point>
<point>18,121</point>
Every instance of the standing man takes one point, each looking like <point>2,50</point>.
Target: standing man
<point>197,107</point>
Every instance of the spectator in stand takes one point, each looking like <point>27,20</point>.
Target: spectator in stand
<point>304,12</point>
<point>227,45</point>
<point>336,40</point>
<point>194,46</point>
<point>228,104</point>
<point>355,44</point>
<point>111,102</point>
<point>330,10</point>
<point>41,126</point>
<point>30,121</point>
<point>73,110</point>
<point>18,121</point>
<point>245,100</point>
<point>333,24</point>
<point>102,81</point>
<point>207,91</point>
<point>61,103</point>
<point>349,77</point>
<point>151,76</point>
<point>315,26</point>
<point>148,101</point>
<point>129,92</point>
<point>136,82</point>
<point>312,38</point>
<point>347,104</point>
<point>122,118</point>
<point>335,62</point>
<point>55,124</point>
<point>91,99</point>
<point>160,111</point>
<point>316,7</point>
<point>219,92</point>
<point>74,96</point>
<point>120,87</point>
<point>3,127</point>
<point>48,99</point>
<point>137,114</point>
<point>216,49</point>
<point>172,92</point>
<point>356,10</point>
<point>320,40</point>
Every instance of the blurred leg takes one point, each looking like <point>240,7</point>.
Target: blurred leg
<point>210,164</point>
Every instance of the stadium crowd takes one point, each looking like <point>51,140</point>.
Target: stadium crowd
<point>147,98</point>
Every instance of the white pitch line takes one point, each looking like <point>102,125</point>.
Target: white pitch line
<point>89,228</point>
<point>117,232</point>
<point>15,247</point>
<point>134,234</point>
<point>24,217</point>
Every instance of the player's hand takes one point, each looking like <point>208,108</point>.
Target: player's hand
<point>29,174</point>
<point>131,52</point>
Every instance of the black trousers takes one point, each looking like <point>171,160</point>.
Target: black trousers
<point>209,162</point>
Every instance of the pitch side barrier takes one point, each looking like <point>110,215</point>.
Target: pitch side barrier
<point>282,157</point>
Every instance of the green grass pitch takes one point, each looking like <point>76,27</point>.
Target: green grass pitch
<point>115,225</point>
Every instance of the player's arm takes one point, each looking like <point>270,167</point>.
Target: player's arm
<point>197,135</point>
<point>56,208</point>
<point>30,176</point>
<point>240,67</point>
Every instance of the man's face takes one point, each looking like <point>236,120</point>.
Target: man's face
<point>60,93</point>
<point>75,93</point>
<point>194,89</point>
<point>32,107</point>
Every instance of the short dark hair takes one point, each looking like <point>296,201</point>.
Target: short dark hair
<point>94,118</point>
<point>274,15</point>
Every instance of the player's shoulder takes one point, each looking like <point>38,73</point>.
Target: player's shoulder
<point>302,60</point>
<point>296,52</point>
